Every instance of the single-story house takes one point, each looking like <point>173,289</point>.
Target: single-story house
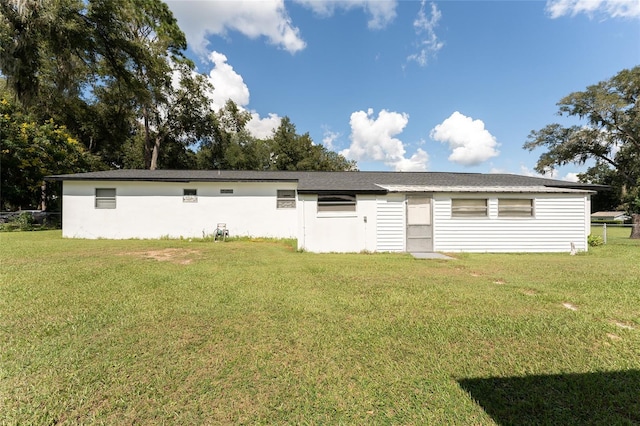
<point>333,211</point>
<point>616,216</point>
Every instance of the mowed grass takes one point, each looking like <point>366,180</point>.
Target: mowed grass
<point>245,332</point>
<point>616,234</point>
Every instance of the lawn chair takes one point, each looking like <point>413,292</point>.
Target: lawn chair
<point>221,232</point>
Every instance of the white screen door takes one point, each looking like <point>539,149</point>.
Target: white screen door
<point>419,224</point>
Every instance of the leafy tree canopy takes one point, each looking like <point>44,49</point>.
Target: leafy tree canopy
<point>30,151</point>
<point>610,136</point>
<point>290,151</point>
<point>108,70</point>
<point>232,147</point>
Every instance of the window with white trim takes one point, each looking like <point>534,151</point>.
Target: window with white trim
<point>469,207</point>
<point>337,203</point>
<point>286,199</point>
<point>189,195</point>
<point>105,198</point>
<point>515,207</point>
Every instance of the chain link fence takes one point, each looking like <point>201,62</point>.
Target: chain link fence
<point>29,220</point>
<point>612,233</point>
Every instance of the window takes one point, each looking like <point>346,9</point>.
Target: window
<point>105,198</point>
<point>226,191</point>
<point>286,199</point>
<point>337,203</point>
<point>511,207</point>
<point>470,207</point>
<point>190,196</point>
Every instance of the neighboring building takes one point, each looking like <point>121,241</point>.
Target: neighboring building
<point>609,216</point>
<point>333,211</point>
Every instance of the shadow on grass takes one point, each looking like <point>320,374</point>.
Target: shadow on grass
<point>605,398</point>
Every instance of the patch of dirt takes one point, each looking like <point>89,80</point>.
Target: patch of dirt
<point>475,274</point>
<point>624,325</point>
<point>570,306</point>
<point>613,336</point>
<point>529,292</point>
<point>499,282</point>
<point>173,255</point>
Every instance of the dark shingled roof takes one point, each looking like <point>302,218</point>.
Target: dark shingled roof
<point>318,182</point>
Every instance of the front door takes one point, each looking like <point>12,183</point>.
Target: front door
<point>419,224</point>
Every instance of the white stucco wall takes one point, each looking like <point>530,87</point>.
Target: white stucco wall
<point>560,219</point>
<point>323,232</point>
<point>154,210</point>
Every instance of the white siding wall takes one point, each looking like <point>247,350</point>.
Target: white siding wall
<point>391,223</point>
<point>324,232</point>
<point>560,219</point>
<point>154,210</point>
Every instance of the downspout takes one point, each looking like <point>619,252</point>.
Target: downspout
<point>304,227</point>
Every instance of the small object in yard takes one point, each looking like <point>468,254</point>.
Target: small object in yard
<point>221,232</point>
<point>573,249</point>
<point>570,306</point>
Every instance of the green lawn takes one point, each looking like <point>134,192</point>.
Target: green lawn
<point>244,332</point>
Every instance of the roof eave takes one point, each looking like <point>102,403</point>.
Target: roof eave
<point>159,179</point>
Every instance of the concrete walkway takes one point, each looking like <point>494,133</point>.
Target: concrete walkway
<point>431,255</point>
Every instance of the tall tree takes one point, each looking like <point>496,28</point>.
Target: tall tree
<point>290,151</point>
<point>231,146</point>
<point>102,67</point>
<point>610,136</point>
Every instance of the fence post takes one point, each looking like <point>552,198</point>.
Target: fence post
<point>604,232</point>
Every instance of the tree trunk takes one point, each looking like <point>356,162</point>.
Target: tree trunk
<point>154,153</point>
<point>43,196</point>
<point>635,227</point>
<point>147,139</point>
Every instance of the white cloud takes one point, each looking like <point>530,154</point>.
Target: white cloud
<point>469,141</point>
<point>428,45</point>
<point>227,84</point>
<point>329,137</point>
<point>263,128</point>
<point>381,13</point>
<point>611,8</point>
<point>416,163</point>
<point>264,18</point>
<point>373,139</point>
<point>571,177</point>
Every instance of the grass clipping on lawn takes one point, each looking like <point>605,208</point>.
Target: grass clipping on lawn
<point>248,332</point>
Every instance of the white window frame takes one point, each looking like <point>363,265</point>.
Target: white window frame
<point>509,207</point>
<point>286,199</point>
<point>189,195</point>
<point>338,203</point>
<point>105,198</point>
<point>469,207</point>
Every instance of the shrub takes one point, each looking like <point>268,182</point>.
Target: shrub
<point>22,222</point>
<point>594,240</point>
<point>25,221</point>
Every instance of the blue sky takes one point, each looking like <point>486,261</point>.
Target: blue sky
<point>410,85</point>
